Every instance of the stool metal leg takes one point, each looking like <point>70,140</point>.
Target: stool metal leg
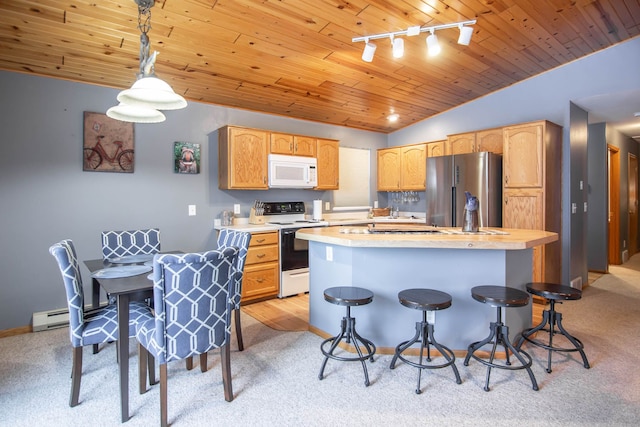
<point>349,335</point>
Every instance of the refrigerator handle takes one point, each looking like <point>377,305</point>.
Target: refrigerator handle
<point>453,207</point>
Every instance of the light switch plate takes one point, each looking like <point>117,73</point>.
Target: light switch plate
<point>192,210</point>
<point>236,209</point>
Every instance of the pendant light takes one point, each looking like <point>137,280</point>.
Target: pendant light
<point>140,103</point>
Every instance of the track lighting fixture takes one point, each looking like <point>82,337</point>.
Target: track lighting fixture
<point>432,40</point>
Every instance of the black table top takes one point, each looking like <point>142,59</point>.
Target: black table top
<point>114,286</point>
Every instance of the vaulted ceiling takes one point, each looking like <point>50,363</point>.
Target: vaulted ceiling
<point>296,58</point>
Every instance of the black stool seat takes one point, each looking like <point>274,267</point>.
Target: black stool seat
<point>551,318</point>
<point>425,300</point>
<point>500,296</point>
<point>348,296</point>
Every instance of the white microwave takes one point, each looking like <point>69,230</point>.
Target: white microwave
<point>292,171</point>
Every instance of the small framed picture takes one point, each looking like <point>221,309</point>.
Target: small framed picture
<point>186,157</point>
<point>108,144</point>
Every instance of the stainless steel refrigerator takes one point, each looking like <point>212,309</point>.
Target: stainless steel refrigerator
<point>448,177</point>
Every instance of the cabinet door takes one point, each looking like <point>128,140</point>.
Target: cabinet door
<point>523,156</point>
<point>436,149</point>
<point>388,169</point>
<point>413,167</point>
<point>248,158</point>
<point>281,143</point>
<point>260,280</point>
<point>304,146</point>
<point>524,209</point>
<point>328,156</point>
<point>462,143</point>
<point>490,140</point>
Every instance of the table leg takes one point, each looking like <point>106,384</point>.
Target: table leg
<point>95,302</point>
<point>123,353</point>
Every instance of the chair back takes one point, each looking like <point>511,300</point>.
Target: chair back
<point>65,253</point>
<point>117,244</point>
<point>192,301</point>
<point>239,239</point>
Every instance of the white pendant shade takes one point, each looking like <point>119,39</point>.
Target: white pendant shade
<point>153,93</point>
<point>130,113</point>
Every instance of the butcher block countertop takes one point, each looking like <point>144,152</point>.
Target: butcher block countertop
<point>412,236</point>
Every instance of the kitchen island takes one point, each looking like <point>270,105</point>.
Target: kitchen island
<point>447,260</point>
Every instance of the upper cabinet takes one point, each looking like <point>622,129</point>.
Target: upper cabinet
<point>462,143</point>
<point>437,148</point>
<point>471,142</point>
<point>402,168</point>
<point>294,145</point>
<point>242,158</point>
<point>328,155</point>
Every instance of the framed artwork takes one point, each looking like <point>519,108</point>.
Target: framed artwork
<point>186,157</point>
<point>108,144</point>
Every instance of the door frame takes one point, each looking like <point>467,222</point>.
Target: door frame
<point>632,185</point>
<point>613,173</point>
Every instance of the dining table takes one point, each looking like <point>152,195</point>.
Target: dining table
<point>136,287</point>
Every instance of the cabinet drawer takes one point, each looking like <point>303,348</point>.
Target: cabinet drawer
<point>260,239</point>
<point>260,280</point>
<point>260,254</point>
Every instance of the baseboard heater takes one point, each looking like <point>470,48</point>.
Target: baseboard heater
<point>52,319</point>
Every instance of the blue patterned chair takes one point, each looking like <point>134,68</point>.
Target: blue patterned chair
<point>193,303</point>
<point>88,327</point>
<point>116,244</point>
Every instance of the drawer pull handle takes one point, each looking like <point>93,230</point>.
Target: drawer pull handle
<point>261,255</point>
<point>260,280</point>
<point>261,240</point>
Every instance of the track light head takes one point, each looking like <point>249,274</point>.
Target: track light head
<point>369,51</point>
<point>398,47</point>
<point>465,35</point>
<point>433,46</point>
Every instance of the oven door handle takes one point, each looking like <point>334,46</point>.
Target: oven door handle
<point>289,231</point>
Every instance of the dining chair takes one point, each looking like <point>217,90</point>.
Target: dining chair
<point>193,302</point>
<point>88,326</point>
<point>117,244</point>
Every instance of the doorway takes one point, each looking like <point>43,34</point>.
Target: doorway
<point>633,204</point>
<point>613,162</point>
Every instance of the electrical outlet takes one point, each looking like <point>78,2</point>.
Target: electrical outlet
<point>236,209</point>
<point>192,210</point>
<point>375,204</point>
<point>327,206</point>
<point>329,253</point>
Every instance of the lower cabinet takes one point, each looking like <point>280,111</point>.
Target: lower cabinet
<point>261,270</point>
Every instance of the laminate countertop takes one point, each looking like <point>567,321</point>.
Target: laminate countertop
<point>446,238</point>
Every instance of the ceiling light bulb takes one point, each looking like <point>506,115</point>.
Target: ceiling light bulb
<point>393,117</point>
<point>369,51</point>
<point>465,35</point>
<point>398,48</point>
<point>432,45</point>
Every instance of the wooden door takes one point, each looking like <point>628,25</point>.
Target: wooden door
<point>462,143</point>
<point>633,204</point>
<point>328,155</point>
<point>413,163</point>
<point>523,156</point>
<point>280,143</point>
<point>524,209</point>
<point>388,169</point>
<point>436,149</point>
<point>614,205</point>
<point>304,146</point>
<point>490,140</point>
<point>248,158</point>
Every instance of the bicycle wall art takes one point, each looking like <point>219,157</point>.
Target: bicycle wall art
<point>108,144</point>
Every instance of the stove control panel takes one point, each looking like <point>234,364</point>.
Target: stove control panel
<point>283,208</point>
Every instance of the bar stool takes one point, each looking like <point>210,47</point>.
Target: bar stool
<point>551,318</point>
<point>428,301</point>
<point>500,296</point>
<point>348,296</point>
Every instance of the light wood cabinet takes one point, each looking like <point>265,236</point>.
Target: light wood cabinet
<point>293,145</point>
<point>402,168</point>
<point>261,278</point>
<point>490,140</point>
<point>532,167</point>
<point>462,143</point>
<point>328,156</point>
<point>437,148</point>
<point>242,158</point>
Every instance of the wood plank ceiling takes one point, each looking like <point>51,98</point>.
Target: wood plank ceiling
<point>295,57</point>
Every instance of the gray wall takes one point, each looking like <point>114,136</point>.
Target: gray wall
<point>47,197</point>
<point>597,219</point>
<point>579,174</point>
<point>548,97</point>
